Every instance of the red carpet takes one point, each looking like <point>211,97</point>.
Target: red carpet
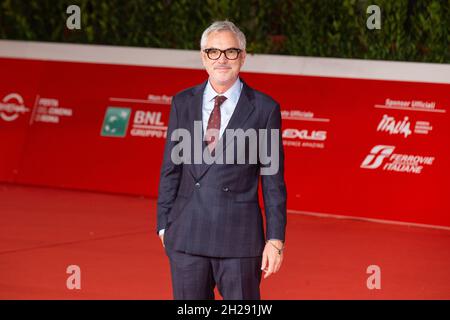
<point>112,239</point>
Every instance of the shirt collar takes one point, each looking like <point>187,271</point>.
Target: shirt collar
<point>232,93</point>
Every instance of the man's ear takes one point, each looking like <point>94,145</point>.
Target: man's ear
<point>243,57</point>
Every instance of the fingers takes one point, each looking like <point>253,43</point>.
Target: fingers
<point>269,270</point>
<point>264,261</point>
<point>268,264</point>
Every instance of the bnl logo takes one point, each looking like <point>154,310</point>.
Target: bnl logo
<point>376,156</point>
<point>115,123</point>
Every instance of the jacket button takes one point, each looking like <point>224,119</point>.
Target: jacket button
<point>197,184</point>
<point>225,189</point>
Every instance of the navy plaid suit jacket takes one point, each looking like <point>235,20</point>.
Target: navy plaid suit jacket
<point>213,209</point>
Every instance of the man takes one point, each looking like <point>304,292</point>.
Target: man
<point>209,218</point>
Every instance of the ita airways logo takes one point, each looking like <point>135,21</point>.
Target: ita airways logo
<point>376,156</point>
<point>403,127</point>
<point>383,157</point>
<point>115,123</point>
<point>12,106</point>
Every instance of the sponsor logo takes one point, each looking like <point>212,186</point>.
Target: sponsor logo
<point>145,124</point>
<point>304,134</point>
<point>383,157</point>
<point>304,138</point>
<point>115,122</point>
<point>390,125</point>
<point>376,156</point>
<point>148,124</point>
<point>402,127</point>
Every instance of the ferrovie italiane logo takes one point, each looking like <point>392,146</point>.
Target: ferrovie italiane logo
<point>115,123</point>
<point>383,157</point>
<point>376,156</point>
<point>12,106</point>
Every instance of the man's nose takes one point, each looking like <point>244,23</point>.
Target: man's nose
<point>223,59</point>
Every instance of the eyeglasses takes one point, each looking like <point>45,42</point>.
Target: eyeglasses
<point>230,53</point>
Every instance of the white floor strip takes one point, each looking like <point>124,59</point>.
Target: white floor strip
<point>392,222</point>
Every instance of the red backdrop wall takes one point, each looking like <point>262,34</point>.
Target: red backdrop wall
<point>341,156</point>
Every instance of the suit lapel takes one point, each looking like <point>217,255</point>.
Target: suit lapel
<point>196,105</point>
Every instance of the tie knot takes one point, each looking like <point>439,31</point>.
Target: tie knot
<point>219,100</point>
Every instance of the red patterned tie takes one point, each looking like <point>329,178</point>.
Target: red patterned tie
<point>212,132</point>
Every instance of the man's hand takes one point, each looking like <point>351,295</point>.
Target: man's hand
<point>271,259</point>
<point>162,239</point>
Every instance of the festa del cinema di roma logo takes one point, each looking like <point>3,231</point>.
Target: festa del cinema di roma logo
<point>11,106</point>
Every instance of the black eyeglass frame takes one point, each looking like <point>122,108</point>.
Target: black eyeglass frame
<point>222,51</point>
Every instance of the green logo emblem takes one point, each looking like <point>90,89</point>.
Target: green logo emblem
<point>115,123</point>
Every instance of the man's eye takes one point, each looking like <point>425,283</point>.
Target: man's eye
<point>213,51</point>
<point>232,51</point>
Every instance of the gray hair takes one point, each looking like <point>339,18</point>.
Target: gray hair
<point>223,26</point>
